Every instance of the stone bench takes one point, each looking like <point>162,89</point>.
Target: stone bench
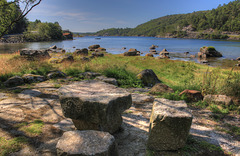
<point>87,143</point>
<point>94,105</point>
<point>169,125</point>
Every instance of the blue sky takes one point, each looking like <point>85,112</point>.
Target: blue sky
<point>94,15</point>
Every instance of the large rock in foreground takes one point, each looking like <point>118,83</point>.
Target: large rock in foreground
<point>94,105</point>
<point>169,125</point>
<point>87,143</point>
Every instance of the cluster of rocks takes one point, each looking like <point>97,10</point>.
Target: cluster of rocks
<point>12,39</point>
<point>96,109</point>
<point>29,54</point>
<point>31,78</point>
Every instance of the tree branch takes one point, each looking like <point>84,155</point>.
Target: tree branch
<point>21,16</point>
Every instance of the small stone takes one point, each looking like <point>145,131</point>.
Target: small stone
<point>161,88</point>
<point>30,78</point>
<point>218,99</point>
<point>148,77</point>
<point>53,47</point>
<point>56,74</point>
<point>88,75</point>
<point>192,95</point>
<point>87,143</point>
<point>14,81</point>
<point>107,80</point>
<point>27,94</point>
<point>149,55</point>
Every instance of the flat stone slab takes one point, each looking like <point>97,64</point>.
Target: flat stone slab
<point>12,115</point>
<point>65,125</point>
<point>10,103</point>
<point>37,103</point>
<point>141,98</point>
<point>94,105</point>
<point>170,123</point>
<point>87,143</point>
<point>29,93</point>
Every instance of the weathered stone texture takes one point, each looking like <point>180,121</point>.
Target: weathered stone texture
<point>169,125</point>
<point>94,105</point>
<point>87,143</point>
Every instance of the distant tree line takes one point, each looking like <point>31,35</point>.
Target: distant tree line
<point>39,31</point>
<point>223,18</point>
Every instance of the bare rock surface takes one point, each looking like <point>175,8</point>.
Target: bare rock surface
<point>107,80</point>
<point>65,125</point>
<point>94,105</point>
<point>141,98</point>
<point>29,93</point>
<point>30,78</point>
<point>218,99</point>
<point>87,143</point>
<point>11,102</point>
<point>37,103</point>
<point>3,96</point>
<point>169,125</point>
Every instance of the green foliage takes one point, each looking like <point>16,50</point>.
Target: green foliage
<point>125,78</point>
<point>201,104</point>
<point>223,18</point>
<point>11,145</point>
<point>38,31</point>
<point>8,13</point>
<point>215,109</point>
<point>174,96</point>
<point>33,128</point>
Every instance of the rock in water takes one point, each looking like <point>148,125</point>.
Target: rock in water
<point>169,125</point>
<point>206,52</point>
<point>94,105</point>
<point>87,143</point>
<point>148,77</point>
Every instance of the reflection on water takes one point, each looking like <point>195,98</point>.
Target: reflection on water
<point>229,49</point>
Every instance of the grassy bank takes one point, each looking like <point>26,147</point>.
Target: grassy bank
<point>179,75</point>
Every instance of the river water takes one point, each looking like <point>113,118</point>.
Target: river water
<point>229,49</point>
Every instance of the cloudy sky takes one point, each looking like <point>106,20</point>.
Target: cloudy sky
<point>94,15</point>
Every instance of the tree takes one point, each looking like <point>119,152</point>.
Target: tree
<point>10,12</point>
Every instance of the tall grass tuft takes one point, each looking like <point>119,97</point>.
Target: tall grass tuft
<point>125,78</point>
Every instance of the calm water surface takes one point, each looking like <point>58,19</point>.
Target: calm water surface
<point>229,49</point>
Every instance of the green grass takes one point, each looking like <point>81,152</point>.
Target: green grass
<point>174,96</point>
<point>201,104</point>
<point>215,109</point>
<point>32,128</point>
<point>124,77</point>
<point>11,145</point>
